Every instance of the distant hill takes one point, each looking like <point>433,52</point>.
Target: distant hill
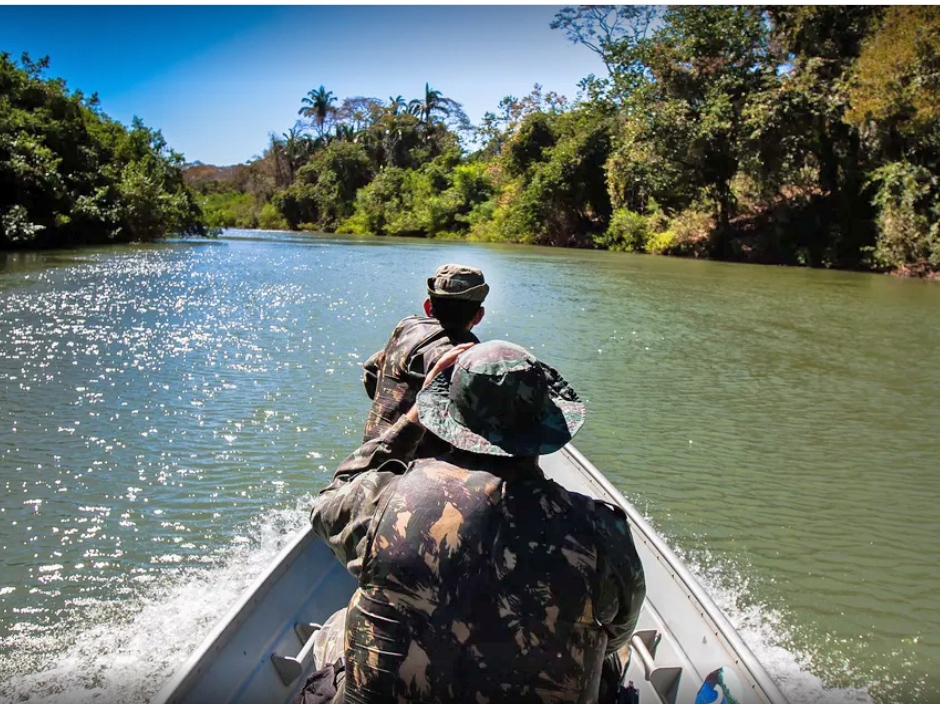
<point>209,178</point>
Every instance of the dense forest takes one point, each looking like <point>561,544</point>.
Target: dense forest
<point>806,135</point>
<point>70,175</point>
<point>784,134</point>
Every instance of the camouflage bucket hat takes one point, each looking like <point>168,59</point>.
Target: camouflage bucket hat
<point>458,281</point>
<point>500,400</point>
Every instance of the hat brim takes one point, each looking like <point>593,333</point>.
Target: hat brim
<point>563,420</point>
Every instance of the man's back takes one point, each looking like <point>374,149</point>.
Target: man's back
<point>489,585</point>
<point>394,375</point>
<point>399,370</point>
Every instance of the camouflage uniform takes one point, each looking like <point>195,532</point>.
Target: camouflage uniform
<point>393,376</point>
<point>479,579</point>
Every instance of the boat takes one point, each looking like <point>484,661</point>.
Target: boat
<point>262,650</point>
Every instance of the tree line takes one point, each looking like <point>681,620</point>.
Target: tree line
<point>802,135</point>
<point>71,175</point>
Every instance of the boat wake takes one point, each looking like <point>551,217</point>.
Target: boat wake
<point>764,633</point>
<point>125,653</point>
<point>127,656</point>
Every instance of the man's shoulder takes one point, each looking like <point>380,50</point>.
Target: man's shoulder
<point>406,326</point>
<point>606,517</point>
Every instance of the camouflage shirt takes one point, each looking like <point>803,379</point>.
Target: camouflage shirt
<point>394,375</point>
<point>479,579</point>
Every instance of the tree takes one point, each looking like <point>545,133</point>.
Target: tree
<point>799,140</point>
<point>894,86</point>
<point>70,175</point>
<point>601,27</point>
<point>396,139</point>
<point>318,105</point>
<point>279,160</point>
<point>432,104</point>
<point>495,129</point>
<point>325,189</point>
<point>690,83</point>
<point>894,96</point>
<point>397,104</point>
<point>358,112</point>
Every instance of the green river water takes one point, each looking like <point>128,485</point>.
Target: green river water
<point>168,411</point>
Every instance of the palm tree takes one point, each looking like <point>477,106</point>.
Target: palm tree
<point>396,104</point>
<point>318,104</point>
<point>293,148</point>
<point>434,102</point>
<point>278,157</point>
<point>345,133</point>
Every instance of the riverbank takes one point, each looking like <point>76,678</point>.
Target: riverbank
<point>71,175</point>
<point>693,145</point>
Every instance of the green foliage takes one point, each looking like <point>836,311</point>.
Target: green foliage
<point>895,89</point>
<point>529,144</point>
<point>628,232</point>
<point>71,175</point>
<point>496,129</point>
<point>230,209</point>
<point>692,81</point>
<point>554,189</point>
<point>655,233</point>
<point>661,242</point>
<point>325,190</point>
<point>908,202</point>
<point>687,232</point>
<point>270,219</point>
<point>440,198</point>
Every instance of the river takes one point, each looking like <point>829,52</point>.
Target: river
<point>167,411</point>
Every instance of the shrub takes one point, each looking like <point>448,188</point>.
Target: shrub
<point>662,242</point>
<point>628,232</point>
<point>908,202</point>
<point>271,219</point>
<point>690,231</point>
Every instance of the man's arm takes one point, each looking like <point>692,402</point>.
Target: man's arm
<point>370,372</point>
<point>343,511</point>
<point>623,584</point>
<point>623,588</point>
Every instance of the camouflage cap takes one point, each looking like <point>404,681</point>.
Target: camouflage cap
<point>500,400</point>
<point>458,281</point>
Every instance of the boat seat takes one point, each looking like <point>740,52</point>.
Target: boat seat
<point>291,667</point>
<point>659,663</point>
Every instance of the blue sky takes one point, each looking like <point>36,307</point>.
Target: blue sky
<point>218,79</point>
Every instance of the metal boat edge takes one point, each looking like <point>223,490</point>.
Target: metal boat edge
<point>179,684</point>
<point>723,628</point>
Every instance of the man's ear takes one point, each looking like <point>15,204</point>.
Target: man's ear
<point>479,316</point>
<point>427,307</point>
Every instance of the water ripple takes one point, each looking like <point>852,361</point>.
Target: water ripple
<point>163,409</point>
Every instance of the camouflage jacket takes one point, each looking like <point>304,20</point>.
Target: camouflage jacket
<point>479,579</point>
<point>394,375</point>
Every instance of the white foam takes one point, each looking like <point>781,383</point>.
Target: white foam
<point>130,650</point>
<point>763,632</point>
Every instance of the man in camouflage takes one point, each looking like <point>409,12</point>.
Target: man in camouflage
<point>394,375</point>
<point>479,579</point>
